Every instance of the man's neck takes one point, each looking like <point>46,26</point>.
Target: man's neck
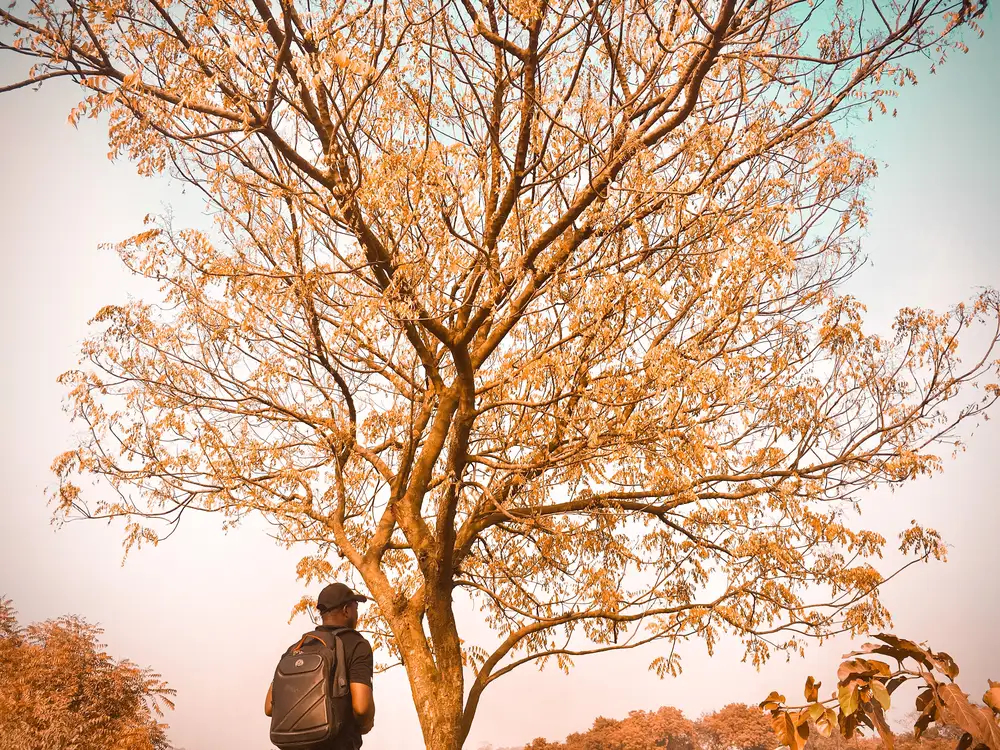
<point>334,625</point>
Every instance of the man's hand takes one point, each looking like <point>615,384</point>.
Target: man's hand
<point>268,705</point>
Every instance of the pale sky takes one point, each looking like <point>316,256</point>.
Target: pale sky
<point>209,610</point>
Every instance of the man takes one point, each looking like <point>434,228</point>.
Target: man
<point>338,607</point>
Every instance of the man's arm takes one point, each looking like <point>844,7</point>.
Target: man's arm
<point>268,705</point>
<point>363,703</point>
<point>361,672</point>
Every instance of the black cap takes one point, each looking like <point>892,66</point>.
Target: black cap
<point>337,595</point>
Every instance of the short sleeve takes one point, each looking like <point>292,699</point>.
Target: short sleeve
<point>362,663</point>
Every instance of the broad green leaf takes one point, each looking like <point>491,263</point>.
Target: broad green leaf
<point>945,663</point>
<point>826,723</point>
<point>881,694</point>
<point>812,689</point>
<point>784,728</point>
<point>801,733</point>
<point>773,701</point>
<point>927,715</point>
<point>977,721</point>
<point>848,724</point>
<point>848,699</point>
<point>862,668</point>
<point>924,697</point>
<point>992,696</point>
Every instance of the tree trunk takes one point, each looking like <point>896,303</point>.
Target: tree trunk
<point>437,696</point>
<point>441,724</point>
<point>433,663</point>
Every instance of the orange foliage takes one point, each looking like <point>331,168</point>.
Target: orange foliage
<point>664,728</point>
<point>60,691</point>
<point>736,727</point>
<point>532,305</point>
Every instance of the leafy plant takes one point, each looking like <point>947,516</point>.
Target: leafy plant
<point>865,687</point>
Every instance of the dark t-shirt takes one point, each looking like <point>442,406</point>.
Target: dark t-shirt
<point>360,668</point>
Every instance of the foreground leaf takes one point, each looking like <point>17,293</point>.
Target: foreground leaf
<point>992,696</point>
<point>881,694</point>
<point>888,738</point>
<point>812,689</point>
<point>977,721</point>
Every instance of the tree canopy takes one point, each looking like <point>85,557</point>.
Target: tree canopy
<point>533,305</point>
<point>59,690</point>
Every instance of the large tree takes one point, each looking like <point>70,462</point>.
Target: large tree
<point>530,305</point>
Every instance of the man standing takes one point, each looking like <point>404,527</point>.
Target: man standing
<point>338,607</point>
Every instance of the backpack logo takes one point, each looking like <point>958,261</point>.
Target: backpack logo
<point>299,663</point>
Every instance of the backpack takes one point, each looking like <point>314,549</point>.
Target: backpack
<point>311,695</point>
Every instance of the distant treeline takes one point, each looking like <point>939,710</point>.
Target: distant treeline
<point>734,727</point>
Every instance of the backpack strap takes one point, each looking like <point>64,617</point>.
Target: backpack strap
<point>341,685</point>
<point>304,638</point>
